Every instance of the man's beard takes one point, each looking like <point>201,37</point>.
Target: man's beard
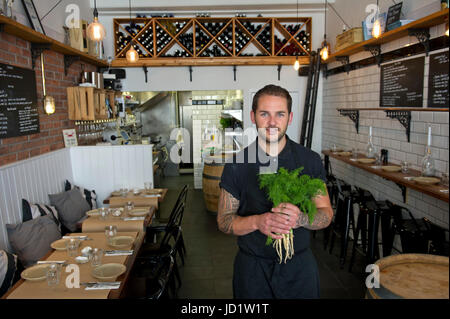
<point>262,132</point>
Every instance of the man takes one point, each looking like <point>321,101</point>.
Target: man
<point>245,211</point>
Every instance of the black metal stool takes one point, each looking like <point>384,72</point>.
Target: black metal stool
<point>370,213</point>
<point>344,218</point>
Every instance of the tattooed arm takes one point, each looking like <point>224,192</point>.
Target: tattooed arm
<point>322,218</point>
<point>230,223</point>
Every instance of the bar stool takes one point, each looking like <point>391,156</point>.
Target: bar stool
<point>344,218</point>
<point>367,225</point>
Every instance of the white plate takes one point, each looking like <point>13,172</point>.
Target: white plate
<point>121,241</point>
<point>108,272</point>
<point>35,273</point>
<point>59,244</point>
<point>138,212</point>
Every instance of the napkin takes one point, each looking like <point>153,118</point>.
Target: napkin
<point>133,218</point>
<point>118,252</point>
<point>51,261</point>
<point>153,195</point>
<point>102,285</point>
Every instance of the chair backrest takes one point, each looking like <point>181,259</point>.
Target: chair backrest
<point>175,210</point>
<point>161,279</point>
<point>172,234</point>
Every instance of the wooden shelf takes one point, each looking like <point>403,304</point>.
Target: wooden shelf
<point>266,52</point>
<point>21,31</point>
<point>426,22</point>
<point>210,61</point>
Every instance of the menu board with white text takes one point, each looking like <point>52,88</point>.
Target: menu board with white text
<point>438,80</point>
<point>402,83</point>
<point>18,102</point>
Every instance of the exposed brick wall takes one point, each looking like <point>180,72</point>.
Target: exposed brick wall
<point>15,51</point>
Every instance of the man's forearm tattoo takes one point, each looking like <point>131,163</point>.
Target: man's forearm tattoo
<point>321,220</point>
<point>228,206</point>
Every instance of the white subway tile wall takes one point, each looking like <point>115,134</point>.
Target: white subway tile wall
<point>361,89</point>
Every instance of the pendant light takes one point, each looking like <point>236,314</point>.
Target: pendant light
<point>132,55</point>
<point>49,102</point>
<point>296,64</point>
<point>376,30</point>
<point>96,31</point>
<point>325,45</point>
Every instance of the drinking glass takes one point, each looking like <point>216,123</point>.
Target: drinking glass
<point>405,167</point>
<point>110,232</point>
<point>103,213</point>
<point>124,192</point>
<point>97,255</point>
<point>334,148</point>
<point>148,185</point>
<point>444,179</point>
<point>53,275</point>
<point>354,153</point>
<point>72,247</point>
<point>130,206</point>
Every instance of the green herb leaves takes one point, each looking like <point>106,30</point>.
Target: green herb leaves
<point>289,187</point>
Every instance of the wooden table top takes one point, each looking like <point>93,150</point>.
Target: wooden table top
<point>131,195</point>
<point>96,224</point>
<point>396,177</point>
<point>24,289</point>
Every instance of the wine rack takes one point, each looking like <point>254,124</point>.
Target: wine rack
<point>212,41</point>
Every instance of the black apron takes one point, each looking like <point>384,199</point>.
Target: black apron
<point>257,271</point>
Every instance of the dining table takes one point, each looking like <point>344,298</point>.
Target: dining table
<point>125,222</point>
<point>404,181</point>
<point>27,289</point>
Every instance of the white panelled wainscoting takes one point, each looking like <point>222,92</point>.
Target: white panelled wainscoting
<point>99,168</point>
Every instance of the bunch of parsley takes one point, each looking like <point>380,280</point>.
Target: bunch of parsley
<point>289,187</point>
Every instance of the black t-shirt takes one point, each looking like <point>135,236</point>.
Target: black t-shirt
<point>240,179</point>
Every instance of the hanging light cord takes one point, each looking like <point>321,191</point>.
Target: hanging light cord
<point>339,16</point>
<point>325,30</point>
<point>43,73</point>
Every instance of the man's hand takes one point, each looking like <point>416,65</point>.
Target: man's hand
<point>292,215</point>
<point>272,223</point>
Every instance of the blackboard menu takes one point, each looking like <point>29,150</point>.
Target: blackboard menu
<point>438,80</point>
<point>18,102</point>
<point>402,83</point>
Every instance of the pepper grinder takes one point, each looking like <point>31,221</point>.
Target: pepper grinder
<point>384,157</point>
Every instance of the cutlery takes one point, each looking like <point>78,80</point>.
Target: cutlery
<point>77,237</point>
<point>101,285</point>
<point>61,262</point>
<point>118,252</point>
<point>133,218</point>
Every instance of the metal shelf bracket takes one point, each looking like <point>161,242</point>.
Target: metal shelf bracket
<point>345,60</point>
<point>234,72</point>
<point>36,50</point>
<point>145,72</point>
<point>404,191</point>
<point>423,35</point>
<point>190,73</point>
<point>68,61</point>
<point>279,71</point>
<point>353,115</point>
<point>375,50</point>
<point>404,117</point>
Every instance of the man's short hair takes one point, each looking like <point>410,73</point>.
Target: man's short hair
<point>273,90</point>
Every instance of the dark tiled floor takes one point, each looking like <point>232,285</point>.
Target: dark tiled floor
<point>208,269</point>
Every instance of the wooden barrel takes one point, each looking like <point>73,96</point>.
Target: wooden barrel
<point>212,172</point>
<point>412,276</point>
